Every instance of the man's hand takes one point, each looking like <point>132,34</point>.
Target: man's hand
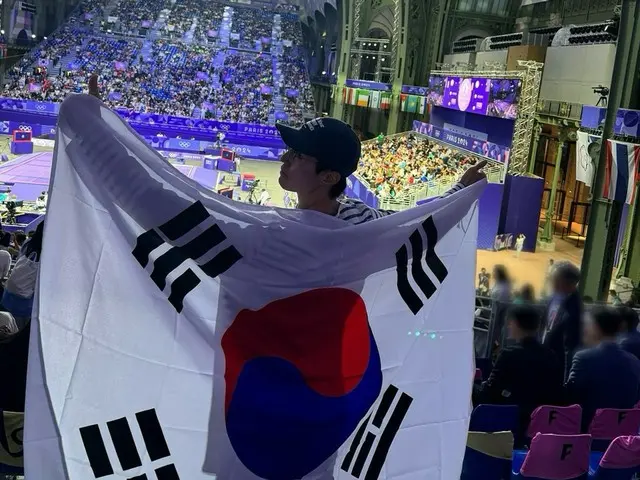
<point>474,174</point>
<point>93,87</point>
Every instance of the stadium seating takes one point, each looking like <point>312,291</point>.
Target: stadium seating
<point>183,66</point>
<point>553,457</point>
<point>609,423</point>
<point>621,461</point>
<point>554,419</point>
<point>395,164</point>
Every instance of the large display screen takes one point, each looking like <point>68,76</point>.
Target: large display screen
<point>482,96</point>
<point>436,87</point>
<point>503,97</point>
<point>466,94</point>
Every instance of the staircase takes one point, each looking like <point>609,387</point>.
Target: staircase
<point>276,53</point>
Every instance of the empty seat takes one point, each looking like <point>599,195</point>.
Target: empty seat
<point>487,456</point>
<point>610,423</point>
<point>621,461</point>
<point>555,457</point>
<point>494,418</point>
<point>478,375</point>
<point>553,419</point>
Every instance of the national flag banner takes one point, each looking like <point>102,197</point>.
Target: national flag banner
<point>422,105</point>
<point>179,334</point>
<point>621,174</point>
<point>403,102</point>
<point>363,98</point>
<point>374,99</point>
<point>412,104</point>
<point>385,100</point>
<point>584,163</point>
<point>353,96</point>
<point>348,96</point>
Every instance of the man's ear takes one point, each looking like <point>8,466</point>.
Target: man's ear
<point>330,178</point>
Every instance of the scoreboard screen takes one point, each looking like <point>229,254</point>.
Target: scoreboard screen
<point>21,136</point>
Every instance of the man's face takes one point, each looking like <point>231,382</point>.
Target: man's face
<point>298,173</point>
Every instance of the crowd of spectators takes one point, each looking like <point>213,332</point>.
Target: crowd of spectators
<point>393,164</point>
<point>250,25</point>
<point>131,13</point>
<point>209,18</point>
<point>240,98</point>
<point>291,28</point>
<point>170,76</point>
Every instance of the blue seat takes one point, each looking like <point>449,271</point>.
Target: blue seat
<point>487,456</point>
<point>494,418</point>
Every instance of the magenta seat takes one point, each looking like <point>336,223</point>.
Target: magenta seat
<point>558,420</point>
<point>557,457</point>
<point>478,377</point>
<point>621,461</point>
<point>610,423</point>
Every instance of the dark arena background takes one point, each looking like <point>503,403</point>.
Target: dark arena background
<point>545,91</point>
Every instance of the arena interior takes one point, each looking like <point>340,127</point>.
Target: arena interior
<point>536,88</point>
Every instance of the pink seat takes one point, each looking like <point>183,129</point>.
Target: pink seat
<point>609,423</point>
<point>558,420</point>
<point>478,377</point>
<point>557,457</point>
<point>624,452</point>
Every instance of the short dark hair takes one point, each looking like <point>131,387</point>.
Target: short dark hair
<point>568,272</point>
<point>338,189</point>
<point>525,316</point>
<point>500,273</point>
<point>5,239</point>
<point>607,319</point>
<point>629,318</point>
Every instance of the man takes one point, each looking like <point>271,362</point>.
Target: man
<point>603,375</point>
<point>527,374</point>
<point>321,155</point>
<point>630,336</point>
<point>265,198</point>
<point>563,315</point>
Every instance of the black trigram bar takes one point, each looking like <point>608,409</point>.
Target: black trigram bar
<point>125,446</point>
<point>186,220</point>
<point>168,472</point>
<point>96,451</point>
<point>166,263</point>
<point>421,278</point>
<point>384,436</point>
<point>152,435</point>
<point>124,443</point>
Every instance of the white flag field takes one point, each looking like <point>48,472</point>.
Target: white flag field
<point>584,163</point>
<point>181,335</point>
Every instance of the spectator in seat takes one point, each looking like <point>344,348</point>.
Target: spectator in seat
<point>603,375</point>
<point>630,336</point>
<point>527,374</point>
<point>563,316</point>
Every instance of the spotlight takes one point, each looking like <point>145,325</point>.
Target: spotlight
<point>33,36</point>
<point>45,38</point>
<point>324,72</point>
<point>1,32</point>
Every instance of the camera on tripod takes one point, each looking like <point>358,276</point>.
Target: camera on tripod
<point>11,212</point>
<point>604,94</point>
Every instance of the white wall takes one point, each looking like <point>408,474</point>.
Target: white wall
<point>570,72</point>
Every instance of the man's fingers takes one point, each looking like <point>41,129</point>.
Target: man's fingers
<point>480,165</point>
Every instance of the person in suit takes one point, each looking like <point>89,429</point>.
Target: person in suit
<point>630,336</point>
<point>527,374</point>
<point>563,316</point>
<point>603,375</point>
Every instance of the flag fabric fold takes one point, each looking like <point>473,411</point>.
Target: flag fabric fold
<point>621,174</point>
<point>178,334</point>
<point>584,162</point>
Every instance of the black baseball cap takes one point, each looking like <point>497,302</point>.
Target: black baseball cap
<point>330,141</point>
